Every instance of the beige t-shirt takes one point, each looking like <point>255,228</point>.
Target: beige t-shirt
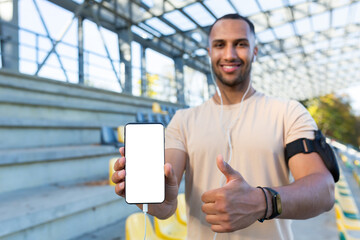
<point>259,136</point>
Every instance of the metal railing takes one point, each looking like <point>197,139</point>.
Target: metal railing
<point>100,71</point>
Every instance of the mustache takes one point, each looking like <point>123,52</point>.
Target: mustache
<point>233,61</point>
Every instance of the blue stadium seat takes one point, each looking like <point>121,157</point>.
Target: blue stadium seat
<point>140,117</point>
<point>108,137</point>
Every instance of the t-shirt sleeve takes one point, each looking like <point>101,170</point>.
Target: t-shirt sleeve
<point>298,123</point>
<point>174,135</point>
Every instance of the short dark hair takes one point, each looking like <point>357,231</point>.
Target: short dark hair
<point>235,16</point>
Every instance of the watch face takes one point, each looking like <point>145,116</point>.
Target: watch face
<point>278,204</point>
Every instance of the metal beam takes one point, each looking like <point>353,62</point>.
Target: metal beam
<point>9,34</point>
<point>164,45</point>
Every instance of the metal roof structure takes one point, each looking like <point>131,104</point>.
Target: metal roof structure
<point>307,48</point>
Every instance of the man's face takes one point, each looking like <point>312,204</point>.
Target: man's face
<point>232,49</point>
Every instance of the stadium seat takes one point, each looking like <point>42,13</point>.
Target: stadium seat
<point>120,132</point>
<point>347,214</point>
<point>135,226</point>
<point>170,228</point>
<point>345,200</point>
<point>151,118</point>
<point>181,209</point>
<point>156,108</point>
<point>108,137</point>
<point>111,170</point>
<point>347,223</point>
<point>167,119</point>
<point>356,176</point>
<point>172,111</point>
<point>159,119</point>
<point>346,234</point>
<point>164,108</point>
<point>140,117</point>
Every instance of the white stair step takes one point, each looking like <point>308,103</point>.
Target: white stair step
<point>29,168</point>
<point>60,212</point>
<point>27,155</point>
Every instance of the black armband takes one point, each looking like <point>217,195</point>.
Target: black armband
<point>319,145</point>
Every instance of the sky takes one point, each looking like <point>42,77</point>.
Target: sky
<point>354,94</point>
<point>102,69</point>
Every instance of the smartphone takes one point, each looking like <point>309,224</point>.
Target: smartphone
<point>145,159</point>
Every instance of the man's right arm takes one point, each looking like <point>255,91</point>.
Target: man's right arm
<point>175,162</point>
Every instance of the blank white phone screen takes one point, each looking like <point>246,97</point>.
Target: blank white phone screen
<point>144,153</point>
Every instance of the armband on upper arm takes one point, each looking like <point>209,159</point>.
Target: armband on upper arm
<point>319,145</point>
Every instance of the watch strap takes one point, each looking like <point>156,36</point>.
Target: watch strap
<point>266,206</point>
<point>275,211</point>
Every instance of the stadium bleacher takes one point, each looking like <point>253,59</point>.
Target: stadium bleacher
<point>54,169</point>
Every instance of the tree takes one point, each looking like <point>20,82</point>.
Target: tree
<point>335,119</point>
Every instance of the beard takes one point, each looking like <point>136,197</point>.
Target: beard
<point>242,76</point>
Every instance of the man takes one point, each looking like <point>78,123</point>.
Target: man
<point>253,132</point>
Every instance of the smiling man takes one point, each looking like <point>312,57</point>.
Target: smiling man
<point>232,52</point>
<point>235,142</point>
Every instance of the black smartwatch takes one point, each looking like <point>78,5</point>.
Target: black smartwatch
<point>276,203</point>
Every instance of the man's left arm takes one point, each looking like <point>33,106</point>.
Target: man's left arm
<point>237,205</point>
<point>312,192</point>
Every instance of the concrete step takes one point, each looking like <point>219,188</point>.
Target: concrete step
<point>32,97</point>
<point>113,231</point>
<point>60,212</point>
<point>67,109</point>
<point>31,133</point>
<point>27,168</point>
<point>17,84</point>
<point>116,230</point>
<point>322,227</point>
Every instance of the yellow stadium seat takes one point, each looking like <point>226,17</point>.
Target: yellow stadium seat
<point>344,192</point>
<point>348,223</point>
<point>342,183</point>
<point>120,131</point>
<point>356,176</point>
<point>135,228</point>
<point>346,201</point>
<point>156,108</point>
<point>111,170</point>
<point>345,234</point>
<point>170,229</point>
<point>181,209</point>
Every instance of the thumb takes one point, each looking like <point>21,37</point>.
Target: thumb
<point>169,174</point>
<point>226,169</point>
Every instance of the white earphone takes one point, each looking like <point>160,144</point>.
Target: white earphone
<point>227,131</point>
<point>213,79</point>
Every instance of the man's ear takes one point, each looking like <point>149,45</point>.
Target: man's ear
<point>255,53</point>
<point>208,56</point>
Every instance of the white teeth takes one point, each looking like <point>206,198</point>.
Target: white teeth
<point>228,67</point>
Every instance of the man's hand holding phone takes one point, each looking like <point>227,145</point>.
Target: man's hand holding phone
<point>163,210</point>
<point>118,176</point>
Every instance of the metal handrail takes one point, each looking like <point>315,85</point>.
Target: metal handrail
<point>169,87</point>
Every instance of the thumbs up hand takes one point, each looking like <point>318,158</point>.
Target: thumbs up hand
<point>229,173</point>
<point>234,206</point>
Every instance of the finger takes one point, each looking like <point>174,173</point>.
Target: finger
<point>213,219</point>
<point>226,169</point>
<point>119,164</point>
<point>120,189</point>
<point>209,196</point>
<point>122,151</point>
<point>218,228</point>
<point>118,176</point>
<point>170,176</point>
<point>209,208</point>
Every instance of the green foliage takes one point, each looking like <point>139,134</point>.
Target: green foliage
<point>334,118</point>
